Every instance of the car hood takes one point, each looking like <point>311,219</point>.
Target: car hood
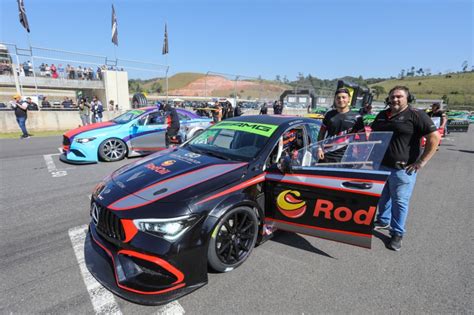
<point>106,126</point>
<point>171,176</point>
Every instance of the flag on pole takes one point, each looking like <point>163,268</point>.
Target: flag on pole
<point>165,42</point>
<point>114,27</point>
<point>23,18</point>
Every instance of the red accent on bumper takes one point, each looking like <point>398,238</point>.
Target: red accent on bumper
<point>160,262</point>
<point>130,229</point>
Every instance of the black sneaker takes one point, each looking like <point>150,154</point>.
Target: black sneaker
<point>395,242</point>
<point>24,136</point>
<point>379,225</point>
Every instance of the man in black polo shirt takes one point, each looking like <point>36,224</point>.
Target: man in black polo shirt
<point>402,159</point>
<point>21,109</point>
<point>338,122</point>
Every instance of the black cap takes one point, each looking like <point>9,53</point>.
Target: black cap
<point>342,90</point>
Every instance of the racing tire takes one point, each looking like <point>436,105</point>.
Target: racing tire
<point>113,149</point>
<point>232,239</point>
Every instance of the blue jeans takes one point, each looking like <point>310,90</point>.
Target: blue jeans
<point>395,199</point>
<point>85,119</point>
<point>22,123</point>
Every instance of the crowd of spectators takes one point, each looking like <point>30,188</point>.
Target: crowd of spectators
<point>5,68</point>
<point>56,71</point>
<point>84,73</point>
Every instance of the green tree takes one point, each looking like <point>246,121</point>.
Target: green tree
<point>300,77</point>
<point>402,73</point>
<point>378,90</point>
<point>156,87</point>
<point>138,88</point>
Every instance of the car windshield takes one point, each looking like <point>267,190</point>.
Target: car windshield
<point>128,116</point>
<point>355,151</point>
<point>232,140</point>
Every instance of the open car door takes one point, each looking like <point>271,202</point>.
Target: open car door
<point>149,133</point>
<point>335,200</point>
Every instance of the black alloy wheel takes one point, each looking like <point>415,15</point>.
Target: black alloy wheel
<point>113,149</point>
<point>233,239</point>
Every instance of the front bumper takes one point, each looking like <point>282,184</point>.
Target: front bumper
<point>135,276</point>
<point>79,153</point>
<point>64,158</point>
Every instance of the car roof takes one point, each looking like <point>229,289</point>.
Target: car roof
<point>272,119</point>
<point>149,109</point>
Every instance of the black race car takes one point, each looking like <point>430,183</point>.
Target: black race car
<point>157,224</point>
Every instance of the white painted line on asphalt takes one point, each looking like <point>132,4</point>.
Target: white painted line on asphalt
<point>102,300</point>
<point>60,150</point>
<point>52,169</point>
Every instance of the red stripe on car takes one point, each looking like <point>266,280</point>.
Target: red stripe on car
<point>324,187</point>
<point>319,228</point>
<point>74,132</point>
<point>250,182</point>
<point>116,205</point>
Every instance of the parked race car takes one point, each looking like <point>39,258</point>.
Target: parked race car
<point>135,132</point>
<point>317,113</point>
<point>157,223</point>
<point>471,118</point>
<point>458,121</point>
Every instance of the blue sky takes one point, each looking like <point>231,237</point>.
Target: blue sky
<point>328,39</point>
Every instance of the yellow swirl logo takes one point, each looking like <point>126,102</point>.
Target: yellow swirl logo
<point>168,163</point>
<point>289,204</point>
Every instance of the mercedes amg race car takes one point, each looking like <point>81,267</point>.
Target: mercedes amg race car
<point>135,132</point>
<point>158,223</point>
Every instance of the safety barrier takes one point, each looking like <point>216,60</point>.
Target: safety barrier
<point>63,120</point>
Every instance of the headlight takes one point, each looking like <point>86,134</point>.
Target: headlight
<point>169,229</point>
<point>85,140</point>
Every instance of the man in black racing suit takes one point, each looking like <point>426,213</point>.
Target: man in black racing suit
<point>172,121</point>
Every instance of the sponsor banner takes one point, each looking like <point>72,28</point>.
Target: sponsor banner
<point>265,130</point>
<point>320,208</point>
